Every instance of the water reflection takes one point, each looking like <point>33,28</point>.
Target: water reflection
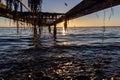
<point>60,66</point>
<point>63,31</point>
<point>65,61</point>
<point>65,43</point>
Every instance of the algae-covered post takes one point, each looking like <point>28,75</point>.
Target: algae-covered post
<point>55,32</point>
<point>17,27</point>
<point>40,25</point>
<point>21,7</point>
<point>65,24</point>
<point>35,29</point>
<point>49,29</point>
<point>35,6</point>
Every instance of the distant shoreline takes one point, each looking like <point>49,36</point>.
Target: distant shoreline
<point>71,27</point>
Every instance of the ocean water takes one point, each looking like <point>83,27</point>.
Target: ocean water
<point>78,54</point>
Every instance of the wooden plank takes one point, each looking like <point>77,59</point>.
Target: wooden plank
<point>83,8</point>
<point>26,6</point>
<point>87,7</point>
<point>91,7</point>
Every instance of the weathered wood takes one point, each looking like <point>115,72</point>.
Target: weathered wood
<point>26,6</point>
<point>49,29</point>
<point>38,18</point>
<point>90,6</point>
<point>83,8</point>
<point>2,6</point>
<point>55,32</point>
<point>65,24</point>
<point>87,7</point>
<point>46,18</point>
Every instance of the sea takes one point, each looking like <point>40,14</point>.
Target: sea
<point>80,53</point>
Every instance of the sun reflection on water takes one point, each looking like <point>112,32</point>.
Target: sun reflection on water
<point>63,31</point>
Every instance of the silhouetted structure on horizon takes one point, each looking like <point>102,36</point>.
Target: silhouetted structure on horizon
<point>13,9</point>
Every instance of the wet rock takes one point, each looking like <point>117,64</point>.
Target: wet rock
<point>59,78</point>
<point>46,78</point>
<point>38,74</point>
<point>82,78</point>
<point>99,72</point>
<point>96,65</point>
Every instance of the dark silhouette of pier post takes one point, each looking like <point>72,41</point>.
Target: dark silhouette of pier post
<point>55,32</point>
<point>65,24</point>
<point>49,29</point>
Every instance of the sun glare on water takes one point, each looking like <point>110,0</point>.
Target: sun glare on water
<point>63,31</point>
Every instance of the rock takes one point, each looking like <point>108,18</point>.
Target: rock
<point>82,78</point>
<point>46,78</point>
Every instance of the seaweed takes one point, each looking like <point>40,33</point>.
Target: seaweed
<point>33,18</point>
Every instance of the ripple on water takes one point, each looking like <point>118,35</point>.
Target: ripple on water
<point>76,55</point>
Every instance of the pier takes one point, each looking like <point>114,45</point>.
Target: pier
<point>13,9</point>
<point>35,47</point>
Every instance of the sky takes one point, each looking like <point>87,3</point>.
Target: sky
<point>94,19</point>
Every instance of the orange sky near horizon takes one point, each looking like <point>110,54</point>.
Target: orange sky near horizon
<point>85,21</point>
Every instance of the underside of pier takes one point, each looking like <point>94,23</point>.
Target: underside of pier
<point>13,9</point>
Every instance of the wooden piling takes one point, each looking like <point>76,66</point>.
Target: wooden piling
<point>49,29</point>
<point>35,36</point>
<point>21,8</point>
<point>35,31</point>
<point>17,27</point>
<point>55,32</point>
<point>35,15</point>
<point>39,27</point>
<point>65,24</point>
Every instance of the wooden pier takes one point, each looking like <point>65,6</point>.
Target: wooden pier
<point>34,15</point>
